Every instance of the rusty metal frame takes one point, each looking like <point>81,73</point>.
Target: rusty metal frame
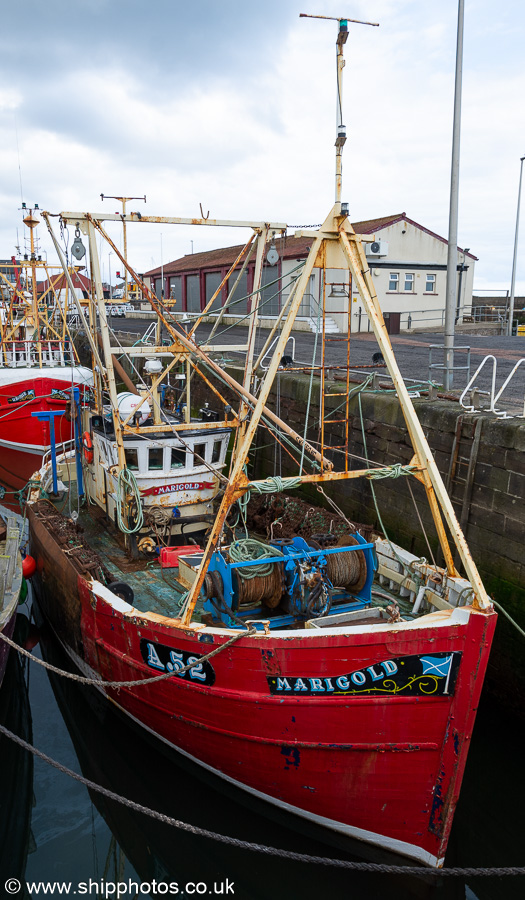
<point>336,228</point>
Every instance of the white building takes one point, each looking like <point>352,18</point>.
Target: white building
<point>409,267</point>
<point>408,264</point>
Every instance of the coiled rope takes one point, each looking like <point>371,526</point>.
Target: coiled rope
<point>127,484</point>
<point>260,848</point>
<point>249,548</point>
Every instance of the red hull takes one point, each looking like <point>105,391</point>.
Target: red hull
<point>383,768</point>
<point>23,438</point>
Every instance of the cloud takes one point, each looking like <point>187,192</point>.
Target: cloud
<point>233,106</point>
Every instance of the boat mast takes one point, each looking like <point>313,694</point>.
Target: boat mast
<point>31,222</point>
<point>340,129</point>
<point>123,200</point>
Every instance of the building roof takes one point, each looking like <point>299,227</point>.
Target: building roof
<point>289,247</point>
<point>59,282</point>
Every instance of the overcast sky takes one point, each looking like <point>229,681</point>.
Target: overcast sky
<point>232,105</point>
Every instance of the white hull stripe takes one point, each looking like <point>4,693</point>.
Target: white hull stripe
<point>36,449</point>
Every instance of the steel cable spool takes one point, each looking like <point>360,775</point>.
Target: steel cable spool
<point>347,570</point>
<point>261,583</point>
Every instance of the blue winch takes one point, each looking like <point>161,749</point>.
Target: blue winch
<point>287,581</point>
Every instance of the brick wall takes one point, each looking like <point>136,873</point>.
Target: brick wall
<point>493,508</point>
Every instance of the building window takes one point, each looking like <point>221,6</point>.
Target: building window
<point>176,288</point>
<point>193,293</point>
<point>430,286</point>
<point>212,282</point>
<point>393,281</point>
<point>409,282</point>
<point>239,301</point>
<point>216,454</point>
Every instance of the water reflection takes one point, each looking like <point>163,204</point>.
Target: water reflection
<point>16,782</point>
<point>114,753</point>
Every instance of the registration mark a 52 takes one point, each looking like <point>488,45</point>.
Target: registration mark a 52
<point>166,659</point>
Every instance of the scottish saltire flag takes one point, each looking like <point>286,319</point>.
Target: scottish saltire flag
<point>436,665</point>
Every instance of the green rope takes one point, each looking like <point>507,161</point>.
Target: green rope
<point>310,388</point>
<point>406,569</point>
<point>274,485</point>
<point>127,483</point>
<point>242,551</point>
<point>505,613</point>
<point>393,471</point>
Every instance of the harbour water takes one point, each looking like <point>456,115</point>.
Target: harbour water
<point>91,842</point>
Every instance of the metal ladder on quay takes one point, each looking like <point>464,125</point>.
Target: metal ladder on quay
<point>329,338</point>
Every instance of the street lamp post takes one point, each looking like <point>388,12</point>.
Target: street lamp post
<point>515,256</point>
<point>452,251</point>
<point>110,254</point>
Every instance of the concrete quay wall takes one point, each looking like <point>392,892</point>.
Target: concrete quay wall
<point>481,458</point>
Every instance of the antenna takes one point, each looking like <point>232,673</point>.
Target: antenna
<point>123,200</point>
<point>340,138</point>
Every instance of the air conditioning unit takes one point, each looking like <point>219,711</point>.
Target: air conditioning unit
<point>377,248</point>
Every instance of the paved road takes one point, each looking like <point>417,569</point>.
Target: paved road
<point>412,353</point>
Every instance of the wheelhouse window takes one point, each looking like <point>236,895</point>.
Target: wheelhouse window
<point>156,458</point>
<point>393,281</point>
<point>430,285</point>
<point>178,458</point>
<point>132,459</point>
<point>216,452</point>
<point>409,282</point>
<point>199,450</point>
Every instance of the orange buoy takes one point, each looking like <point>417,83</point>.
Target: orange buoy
<point>28,566</point>
<point>87,444</point>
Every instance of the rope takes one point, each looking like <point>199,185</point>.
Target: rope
<point>120,684</point>
<point>505,613</point>
<point>393,471</point>
<point>261,848</point>
<point>307,416</point>
<point>274,485</point>
<point>383,529</point>
<point>128,483</point>
<point>242,551</point>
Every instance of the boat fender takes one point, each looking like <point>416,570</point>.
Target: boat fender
<point>123,590</point>
<point>87,444</point>
<point>28,566</point>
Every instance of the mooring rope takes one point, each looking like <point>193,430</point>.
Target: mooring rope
<point>81,679</point>
<point>260,848</point>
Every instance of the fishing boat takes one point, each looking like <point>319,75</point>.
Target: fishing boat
<point>38,362</point>
<point>10,584</point>
<point>272,665</point>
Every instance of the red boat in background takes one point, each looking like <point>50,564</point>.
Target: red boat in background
<point>24,439</point>
<point>38,364</point>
